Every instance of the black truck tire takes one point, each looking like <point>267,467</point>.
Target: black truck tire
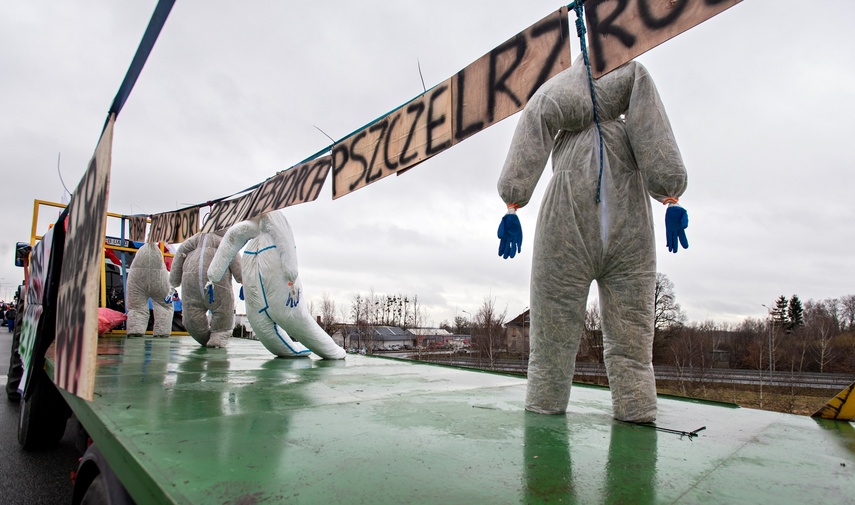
<point>43,415</point>
<point>96,483</point>
<point>96,493</point>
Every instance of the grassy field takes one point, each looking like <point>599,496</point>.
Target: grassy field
<point>802,401</point>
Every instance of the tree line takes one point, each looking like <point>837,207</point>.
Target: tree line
<point>810,336</point>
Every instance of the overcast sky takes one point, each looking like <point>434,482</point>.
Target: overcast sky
<point>761,99</point>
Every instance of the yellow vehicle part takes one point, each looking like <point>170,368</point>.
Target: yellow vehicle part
<point>841,407</point>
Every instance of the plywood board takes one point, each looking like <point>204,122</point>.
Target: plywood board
<point>502,81</point>
<point>492,88</point>
<point>33,308</point>
<point>136,228</point>
<point>174,227</point>
<point>620,30</point>
<point>299,184</point>
<point>77,302</point>
<point>227,212</point>
<point>402,139</point>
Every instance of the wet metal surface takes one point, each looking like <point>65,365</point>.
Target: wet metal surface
<point>188,424</point>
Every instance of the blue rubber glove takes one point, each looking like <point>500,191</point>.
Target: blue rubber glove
<point>676,222</point>
<point>210,288</point>
<point>510,236</point>
<point>240,295</point>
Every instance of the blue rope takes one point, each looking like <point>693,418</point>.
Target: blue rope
<point>578,7</point>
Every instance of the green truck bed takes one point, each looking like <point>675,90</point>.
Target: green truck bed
<point>183,424</point>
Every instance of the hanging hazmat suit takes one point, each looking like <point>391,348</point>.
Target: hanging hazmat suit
<point>148,278</point>
<point>275,303</point>
<point>579,240</point>
<point>188,270</point>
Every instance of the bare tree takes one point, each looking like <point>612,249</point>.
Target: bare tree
<point>488,332</point>
<point>313,308</point>
<point>820,323</point>
<point>461,325</point>
<point>405,312</point>
<point>359,315</point>
<point>691,348</point>
<point>832,306</point>
<point>743,340</point>
<point>373,308</point>
<point>822,348</point>
<point>847,311</point>
<point>797,345</point>
<point>667,311</point>
<point>594,332</point>
<point>774,328</point>
<point>328,312</point>
<point>419,314</point>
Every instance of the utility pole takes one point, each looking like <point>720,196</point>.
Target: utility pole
<point>470,324</point>
<point>769,311</point>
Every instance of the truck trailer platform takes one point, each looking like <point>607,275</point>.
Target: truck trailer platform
<point>180,423</point>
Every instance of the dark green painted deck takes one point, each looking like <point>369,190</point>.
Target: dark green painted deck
<point>185,424</point>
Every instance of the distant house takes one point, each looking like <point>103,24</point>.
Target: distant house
<point>372,338</point>
<point>519,339</point>
<point>431,337</point>
<point>518,330</point>
<point>519,335</point>
<point>392,338</point>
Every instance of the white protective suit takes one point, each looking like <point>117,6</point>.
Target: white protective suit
<point>275,303</point>
<point>579,240</point>
<point>189,269</point>
<point>148,278</point>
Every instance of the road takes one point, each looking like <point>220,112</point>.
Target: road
<point>31,478</point>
